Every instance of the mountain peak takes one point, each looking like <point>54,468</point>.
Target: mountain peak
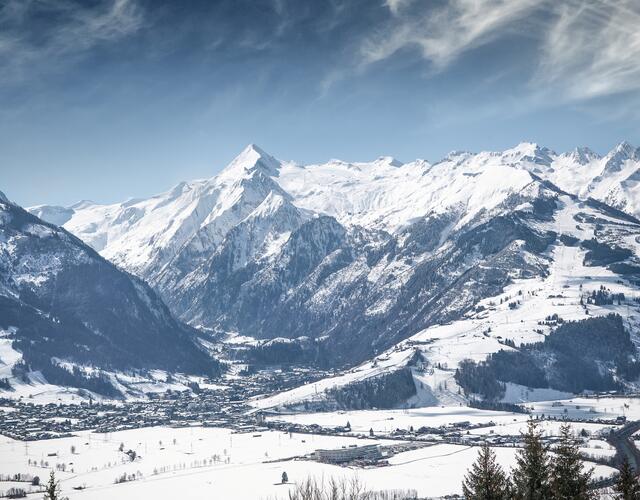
<point>388,160</point>
<point>529,151</point>
<point>250,159</point>
<point>624,148</point>
<point>3,198</point>
<point>82,204</point>
<point>582,155</point>
<point>618,155</point>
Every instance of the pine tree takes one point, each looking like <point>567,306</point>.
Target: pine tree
<point>530,477</point>
<point>52,490</point>
<point>486,480</point>
<point>568,480</point>
<point>627,485</point>
<point>285,478</point>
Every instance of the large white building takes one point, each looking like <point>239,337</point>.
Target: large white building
<point>368,452</point>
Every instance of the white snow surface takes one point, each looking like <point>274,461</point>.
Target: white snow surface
<point>177,463</point>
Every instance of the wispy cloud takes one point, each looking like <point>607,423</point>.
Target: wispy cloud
<point>586,48</point>
<point>396,5</point>
<point>593,48</point>
<point>443,33</point>
<point>39,35</point>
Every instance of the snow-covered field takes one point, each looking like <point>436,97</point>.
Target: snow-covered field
<point>590,408</point>
<point>385,421</point>
<point>204,463</point>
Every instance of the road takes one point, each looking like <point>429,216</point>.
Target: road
<point>624,445</point>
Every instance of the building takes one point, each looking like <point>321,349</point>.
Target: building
<point>368,452</point>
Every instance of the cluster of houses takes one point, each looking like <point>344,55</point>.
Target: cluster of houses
<point>26,421</point>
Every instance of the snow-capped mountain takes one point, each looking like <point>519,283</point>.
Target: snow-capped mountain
<point>144,235</point>
<point>63,305</point>
<point>365,255</point>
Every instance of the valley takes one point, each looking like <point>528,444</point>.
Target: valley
<point>238,324</point>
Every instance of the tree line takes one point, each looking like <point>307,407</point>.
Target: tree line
<point>542,473</point>
<point>592,354</point>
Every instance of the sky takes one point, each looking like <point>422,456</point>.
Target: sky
<point>112,99</point>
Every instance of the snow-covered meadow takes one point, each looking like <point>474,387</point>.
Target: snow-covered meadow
<point>247,466</point>
<point>203,463</point>
<point>250,470</point>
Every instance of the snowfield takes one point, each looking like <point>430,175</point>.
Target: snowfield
<point>386,421</point>
<point>171,460</point>
<point>203,463</point>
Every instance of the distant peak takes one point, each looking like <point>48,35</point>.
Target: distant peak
<point>337,162</point>
<point>618,155</point>
<point>252,158</point>
<point>3,198</point>
<point>388,160</point>
<point>82,204</point>
<point>582,155</point>
<point>530,151</point>
<point>255,149</point>
<point>456,153</point>
<point>623,148</point>
<point>528,148</point>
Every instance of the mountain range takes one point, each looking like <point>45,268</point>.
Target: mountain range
<point>359,256</point>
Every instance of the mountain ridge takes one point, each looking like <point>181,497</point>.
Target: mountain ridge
<point>364,255</point>
<point>61,303</point>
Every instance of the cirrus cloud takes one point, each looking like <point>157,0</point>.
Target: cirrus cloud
<point>586,48</point>
<point>43,34</point>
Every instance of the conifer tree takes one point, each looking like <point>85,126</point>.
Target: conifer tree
<point>52,490</point>
<point>486,480</point>
<point>568,479</point>
<point>627,485</point>
<point>530,477</point>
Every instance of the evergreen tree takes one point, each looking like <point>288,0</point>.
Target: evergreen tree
<point>285,478</point>
<point>530,477</point>
<point>627,485</point>
<point>52,490</point>
<point>568,480</point>
<point>486,480</point>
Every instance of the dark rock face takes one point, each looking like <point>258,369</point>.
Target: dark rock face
<point>61,299</point>
<point>360,291</point>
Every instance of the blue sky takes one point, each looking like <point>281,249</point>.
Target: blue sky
<point>111,99</point>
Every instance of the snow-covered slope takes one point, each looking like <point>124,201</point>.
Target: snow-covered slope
<point>61,302</point>
<point>387,195</point>
<point>143,236</point>
<point>523,312</point>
